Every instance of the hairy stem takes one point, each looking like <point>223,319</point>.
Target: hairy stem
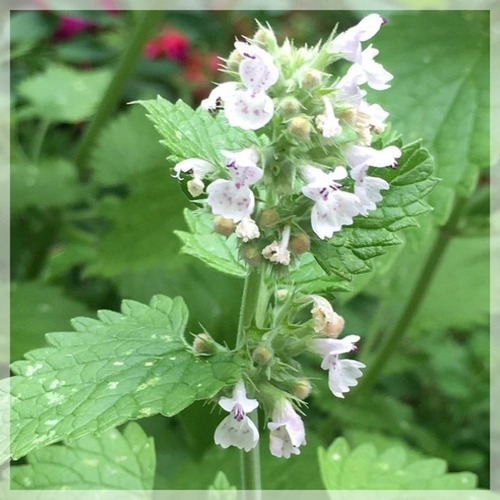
<point>253,293</point>
<point>126,65</point>
<point>378,363</point>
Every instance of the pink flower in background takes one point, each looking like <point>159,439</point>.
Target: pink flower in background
<point>70,26</point>
<point>171,44</point>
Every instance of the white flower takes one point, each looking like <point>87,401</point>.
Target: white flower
<point>363,155</point>
<point>237,429</point>
<point>376,76</point>
<point>347,89</point>
<point>325,319</point>
<point>250,107</point>
<point>278,251</point>
<point>233,198</point>
<point>333,208</point>
<point>327,122</point>
<point>287,431</point>
<point>247,229</point>
<point>198,169</point>
<point>348,43</point>
<point>342,373</point>
<point>367,188</point>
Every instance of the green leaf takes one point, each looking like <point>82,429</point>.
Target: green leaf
<point>114,460</point>
<point>351,250</point>
<point>363,467</point>
<point>213,249</point>
<point>63,94</point>
<point>195,134</point>
<point>36,308</point>
<point>141,225</point>
<point>117,156</point>
<point>221,488</point>
<point>53,182</point>
<point>120,367</point>
<point>441,92</point>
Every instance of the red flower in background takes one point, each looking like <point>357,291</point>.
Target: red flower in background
<point>171,44</point>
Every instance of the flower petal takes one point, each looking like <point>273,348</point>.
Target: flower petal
<point>231,432</point>
<point>257,70</point>
<point>227,199</point>
<point>221,92</point>
<point>363,155</point>
<point>248,110</point>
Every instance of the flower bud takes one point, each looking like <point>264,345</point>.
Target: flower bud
<point>262,355</point>
<point>204,344</point>
<point>282,294</point>
<point>311,79</point>
<point>223,226</point>
<point>300,244</point>
<point>268,218</point>
<point>251,255</point>
<point>302,388</point>
<point>289,107</point>
<point>300,127</point>
<point>325,319</point>
<point>234,59</point>
<point>195,187</point>
<point>265,35</point>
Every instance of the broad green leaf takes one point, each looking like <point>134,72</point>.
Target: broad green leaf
<point>213,249</point>
<point>195,134</point>
<point>440,91</point>
<point>63,94</point>
<point>121,367</point>
<point>459,294</point>
<point>141,226</point>
<point>127,146</point>
<point>36,308</point>
<point>351,250</point>
<point>363,467</point>
<point>113,460</point>
<point>51,183</point>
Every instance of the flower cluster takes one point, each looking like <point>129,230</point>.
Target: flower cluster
<point>286,428</point>
<point>313,175</point>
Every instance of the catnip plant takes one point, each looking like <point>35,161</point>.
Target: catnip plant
<point>298,184</point>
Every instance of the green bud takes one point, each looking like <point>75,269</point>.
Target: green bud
<point>289,107</point>
<point>204,344</point>
<point>300,127</point>
<point>268,218</point>
<point>234,60</point>
<point>262,355</point>
<point>251,255</point>
<point>300,244</point>
<point>311,79</point>
<point>265,36</point>
<point>302,388</point>
<point>223,226</point>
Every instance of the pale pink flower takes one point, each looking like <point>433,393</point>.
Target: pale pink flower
<point>287,431</point>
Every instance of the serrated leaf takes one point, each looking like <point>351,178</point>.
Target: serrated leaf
<point>351,250</point>
<point>119,368</point>
<point>141,226</point>
<point>127,146</point>
<point>214,250</point>
<point>441,92</point>
<point>114,460</point>
<point>195,134</point>
<point>364,468</point>
<point>63,94</point>
<point>53,182</point>
<point>36,308</point>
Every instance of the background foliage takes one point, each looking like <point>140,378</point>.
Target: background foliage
<point>86,235</point>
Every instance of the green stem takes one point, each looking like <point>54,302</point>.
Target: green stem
<point>252,301</point>
<point>111,98</point>
<point>415,299</point>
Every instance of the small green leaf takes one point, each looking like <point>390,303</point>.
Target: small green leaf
<point>121,367</point>
<point>213,249</point>
<point>53,182</point>
<point>117,156</point>
<point>62,94</point>
<point>221,488</point>
<point>351,250</point>
<point>112,461</point>
<point>195,134</point>
<point>364,468</point>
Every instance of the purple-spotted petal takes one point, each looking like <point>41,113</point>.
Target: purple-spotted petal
<point>248,110</point>
<point>225,198</point>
